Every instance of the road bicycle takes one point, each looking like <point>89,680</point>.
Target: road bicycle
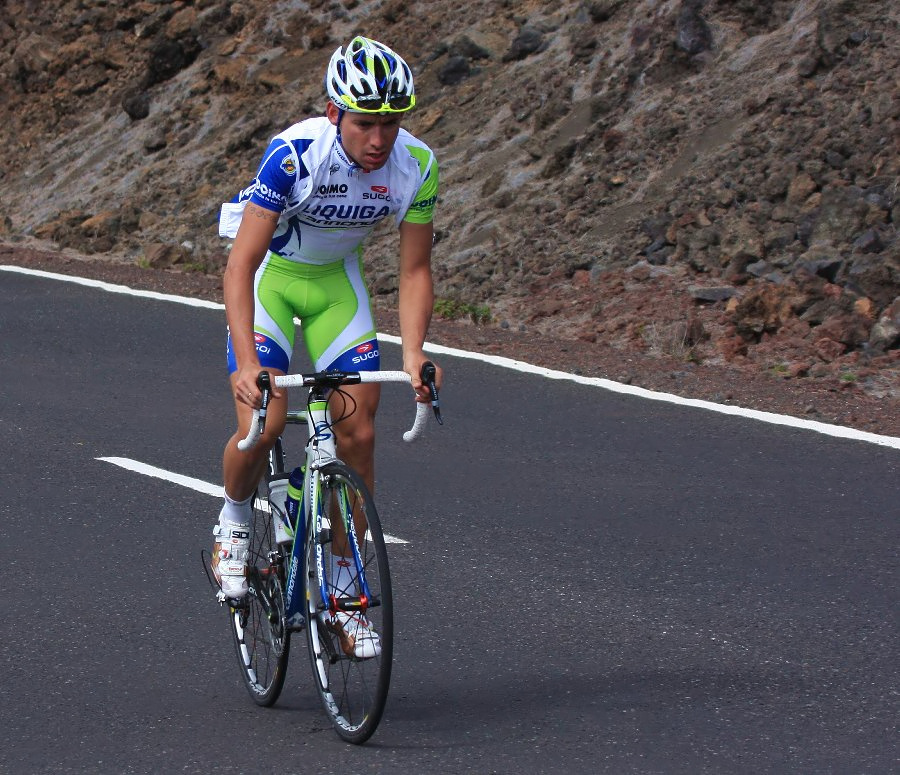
<point>324,505</point>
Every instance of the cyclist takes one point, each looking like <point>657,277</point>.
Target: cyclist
<point>298,228</point>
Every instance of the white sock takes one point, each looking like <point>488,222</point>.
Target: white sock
<point>236,512</point>
<point>342,573</point>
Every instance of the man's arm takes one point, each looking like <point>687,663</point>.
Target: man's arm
<point>416,298</point>
<point>250,247</point>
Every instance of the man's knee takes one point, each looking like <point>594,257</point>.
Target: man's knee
<point>359,434</point>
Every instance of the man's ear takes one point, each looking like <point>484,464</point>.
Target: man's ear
<point>332,112</point>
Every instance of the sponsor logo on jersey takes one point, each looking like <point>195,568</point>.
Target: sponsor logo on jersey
<point>287,164</point>
<point>365,348</point>
<point>263,344</point>
<point>378,192</point>
<point>261,191</point>
<point>333,189</point>
<point>334,168</point>
<point>424,204</point>
<point>356,360</point>
<point>346,216</point>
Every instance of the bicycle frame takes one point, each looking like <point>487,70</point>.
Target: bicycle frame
<point>320,451</point>
<point>348,619</point>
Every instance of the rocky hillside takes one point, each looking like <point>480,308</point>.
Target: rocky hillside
<point>711,179</point>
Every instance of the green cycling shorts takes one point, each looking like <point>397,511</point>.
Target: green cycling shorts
<point>334,309</point>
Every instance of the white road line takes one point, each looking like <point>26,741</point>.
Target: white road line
<point>617,387</point>
<point>112,288</point>
<point>160,473</point>
<point>838,431</point>
<point>192,484</point>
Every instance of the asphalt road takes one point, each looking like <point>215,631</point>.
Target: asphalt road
<point>594,583</point>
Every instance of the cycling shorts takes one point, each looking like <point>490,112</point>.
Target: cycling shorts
<point>335,312</point>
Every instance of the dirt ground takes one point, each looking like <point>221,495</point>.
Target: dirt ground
<point>826,399</point>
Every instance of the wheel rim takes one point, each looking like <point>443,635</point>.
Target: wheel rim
<point>353,690</point>
<point>260,638</point>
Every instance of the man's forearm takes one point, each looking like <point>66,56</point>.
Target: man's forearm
<point>415,307</point>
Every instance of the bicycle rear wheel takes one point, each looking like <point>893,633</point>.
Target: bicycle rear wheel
<point>353,689</point>
<point>261,640</point>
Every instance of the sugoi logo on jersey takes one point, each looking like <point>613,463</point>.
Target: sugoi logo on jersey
<point>333,189</point>
<point>262,344</point>
<point>378,192</point>
<point>334,168</point>
<point>287,164</point>
<point>364,352</point>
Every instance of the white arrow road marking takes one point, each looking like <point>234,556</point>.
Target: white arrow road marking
<point>192,484</point>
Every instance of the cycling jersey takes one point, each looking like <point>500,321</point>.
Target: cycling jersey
<point>328,206</point>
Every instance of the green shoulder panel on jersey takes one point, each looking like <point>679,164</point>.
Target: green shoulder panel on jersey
<point>422,208</point>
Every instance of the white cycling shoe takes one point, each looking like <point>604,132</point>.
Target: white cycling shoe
<point>229,558</point>
<point>356,634</point>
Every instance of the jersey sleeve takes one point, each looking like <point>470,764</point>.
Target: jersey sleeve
<point>422,208</point>
<point>275,179</point>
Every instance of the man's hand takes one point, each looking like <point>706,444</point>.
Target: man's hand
<point>246,390</point>
<point>412,365</point>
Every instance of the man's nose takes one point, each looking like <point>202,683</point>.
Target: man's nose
<point>379,135</point>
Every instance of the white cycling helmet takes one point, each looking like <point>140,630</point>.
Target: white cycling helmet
<point>367,77</point>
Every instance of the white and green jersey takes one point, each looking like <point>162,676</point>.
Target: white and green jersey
<point>328,204</point>
<point>313,270</point>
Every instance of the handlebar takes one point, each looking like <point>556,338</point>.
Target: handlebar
<point>334,379</point>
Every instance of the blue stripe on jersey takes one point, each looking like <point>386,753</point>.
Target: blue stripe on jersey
<point>276,176</point>
<point>300,147</point>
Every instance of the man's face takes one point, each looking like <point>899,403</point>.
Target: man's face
<point>368,138</point>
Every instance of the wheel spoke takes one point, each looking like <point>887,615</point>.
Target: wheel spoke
<point>260,638</point>
<point>353,687</point>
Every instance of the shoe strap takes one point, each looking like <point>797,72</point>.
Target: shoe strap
<point>233,531</point>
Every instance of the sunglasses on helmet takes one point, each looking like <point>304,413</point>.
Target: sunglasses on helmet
<point>374,103</point>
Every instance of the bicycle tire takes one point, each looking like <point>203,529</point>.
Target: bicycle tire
<point>353,690</point>
<point>261,640</point>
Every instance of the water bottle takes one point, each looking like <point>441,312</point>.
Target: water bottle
<point>294,497</point>
<point>278,493</point>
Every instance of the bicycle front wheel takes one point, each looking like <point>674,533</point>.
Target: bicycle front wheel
<point>261,639</point>
<point>350,630</point>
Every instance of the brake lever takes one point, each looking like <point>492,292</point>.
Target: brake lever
<point>264,383</point>
<point>429,374</point>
